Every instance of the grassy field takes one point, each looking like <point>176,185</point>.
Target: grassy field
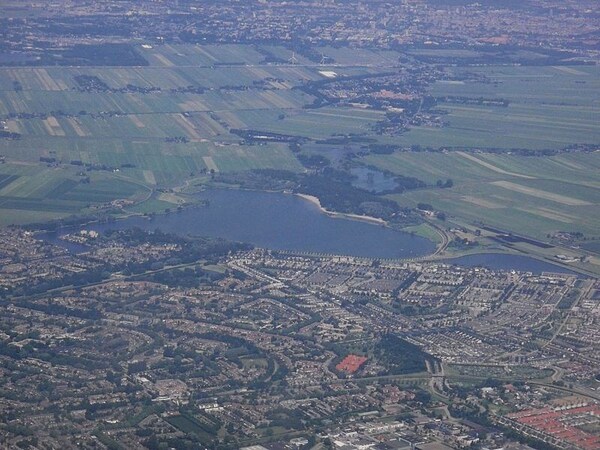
<point>549,108</point>
<point>424,230</point>
<point>518,126</point>
<point>153,127</point>
<point>533,195</point>
<point>33,193</point>
<point>319,123</point>
<point>139,140</point>
<point>361,56</point>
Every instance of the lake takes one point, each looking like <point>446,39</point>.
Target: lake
<point>276,221</point>
<point>373,180</point>
<point>287,222</point>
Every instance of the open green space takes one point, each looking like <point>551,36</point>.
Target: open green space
<point>532,195</point>
<point>517,126</point>
<point>135,130</point>
<point>548,108</point>
<point>36,193</point>
<point>499,372</point>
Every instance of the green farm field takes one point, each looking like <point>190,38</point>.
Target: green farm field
<point>532,195</point>
<point>149,129</point>
<point>319,123</point>
<point>549,108</point>
<point>34,193</point>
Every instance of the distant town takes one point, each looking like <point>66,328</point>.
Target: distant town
<point>559,25</point>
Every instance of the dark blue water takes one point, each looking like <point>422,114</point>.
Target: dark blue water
<point>499,261</point>
<point>280,222</point>
<point>373,180</point>
<point>54,238</point>
<point>287,222</point>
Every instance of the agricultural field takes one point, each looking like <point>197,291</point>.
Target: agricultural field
<point>137,129</point>
<point>361,56</point>
<point>317,124</point>
<point>144,129</point>
<point>33,193</point>
<point>90,136</point>
<point>548,108</point>
<point>533,195</point>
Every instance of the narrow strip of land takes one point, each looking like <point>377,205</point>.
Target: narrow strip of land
<point>491,166</point>
<point>541,194</point>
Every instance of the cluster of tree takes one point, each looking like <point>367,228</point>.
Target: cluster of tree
<point>108,54</point>
<point>424,206</point>
<point>28,115</point>
<point>445,184</point>
<point>88,167</point>
<point>260,179</point>
<point>191,249</point>
<point>53,355</point>
<point>314,161</point>
<point>569,300</point>
<point>461,243</point>
<point>346,140</point>
<point>414,276</point>
<point>310,52</point>
<point>55,309</point>
<point>400,356</point>
<point>332,187</point>
<point>71,279</point>
<point>177,139</point>
<point>188,90</point>
<point>290,419</point>
<point>382,149</point>
<point>269,57</point>
<point>336,193</point>
<point>255,136</point>
<point>323,90</point>
<point>92,83</point>
<point>185,278</point>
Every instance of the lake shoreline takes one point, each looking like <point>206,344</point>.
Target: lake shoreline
<point>315,201</point>
<point>278,221</point>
